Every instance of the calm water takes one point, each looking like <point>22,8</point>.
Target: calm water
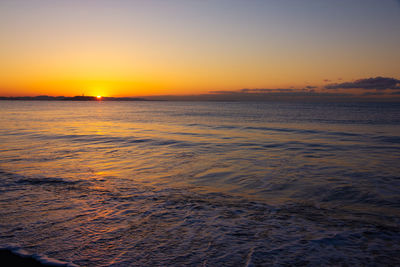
<point>201,184</point>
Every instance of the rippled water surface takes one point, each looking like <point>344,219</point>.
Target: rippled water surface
<point>201,184</point>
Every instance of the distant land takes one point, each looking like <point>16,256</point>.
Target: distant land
<point>228,96</point>
<point>74,98</point>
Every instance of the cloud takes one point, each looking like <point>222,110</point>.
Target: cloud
<point>310,87</point>
<point>258,91</point>
<point>267,90</point>
<point>377,83</point>
<point>373,94</point>
<point>308,94</point>
<point>271,94</point>
<point>378,88</point>
<point>224,92</point>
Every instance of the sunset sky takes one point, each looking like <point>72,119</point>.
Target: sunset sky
<point>141,48</point>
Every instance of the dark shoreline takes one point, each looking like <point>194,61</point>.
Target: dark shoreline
<point>12,258</point>
<point>74,98</point>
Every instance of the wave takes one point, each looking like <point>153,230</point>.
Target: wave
<point>46,180</point>
<point>247,188</point>
<point>176,227</point>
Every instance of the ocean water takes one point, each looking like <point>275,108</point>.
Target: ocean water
<point>201,183</point>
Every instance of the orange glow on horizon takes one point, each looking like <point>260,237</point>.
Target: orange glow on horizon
<point>125,52</point>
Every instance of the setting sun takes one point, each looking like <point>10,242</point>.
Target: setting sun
<point>184,133</point>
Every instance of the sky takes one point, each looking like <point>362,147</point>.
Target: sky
<point>181,47</point>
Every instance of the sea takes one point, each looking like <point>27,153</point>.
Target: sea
<point>160,183</point>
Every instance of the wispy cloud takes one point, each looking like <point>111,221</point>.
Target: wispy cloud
<point>378,88</point>
<point>266,94</point>
<point>377,83</point>
<point>374,94</point>
<point>266,90</point>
